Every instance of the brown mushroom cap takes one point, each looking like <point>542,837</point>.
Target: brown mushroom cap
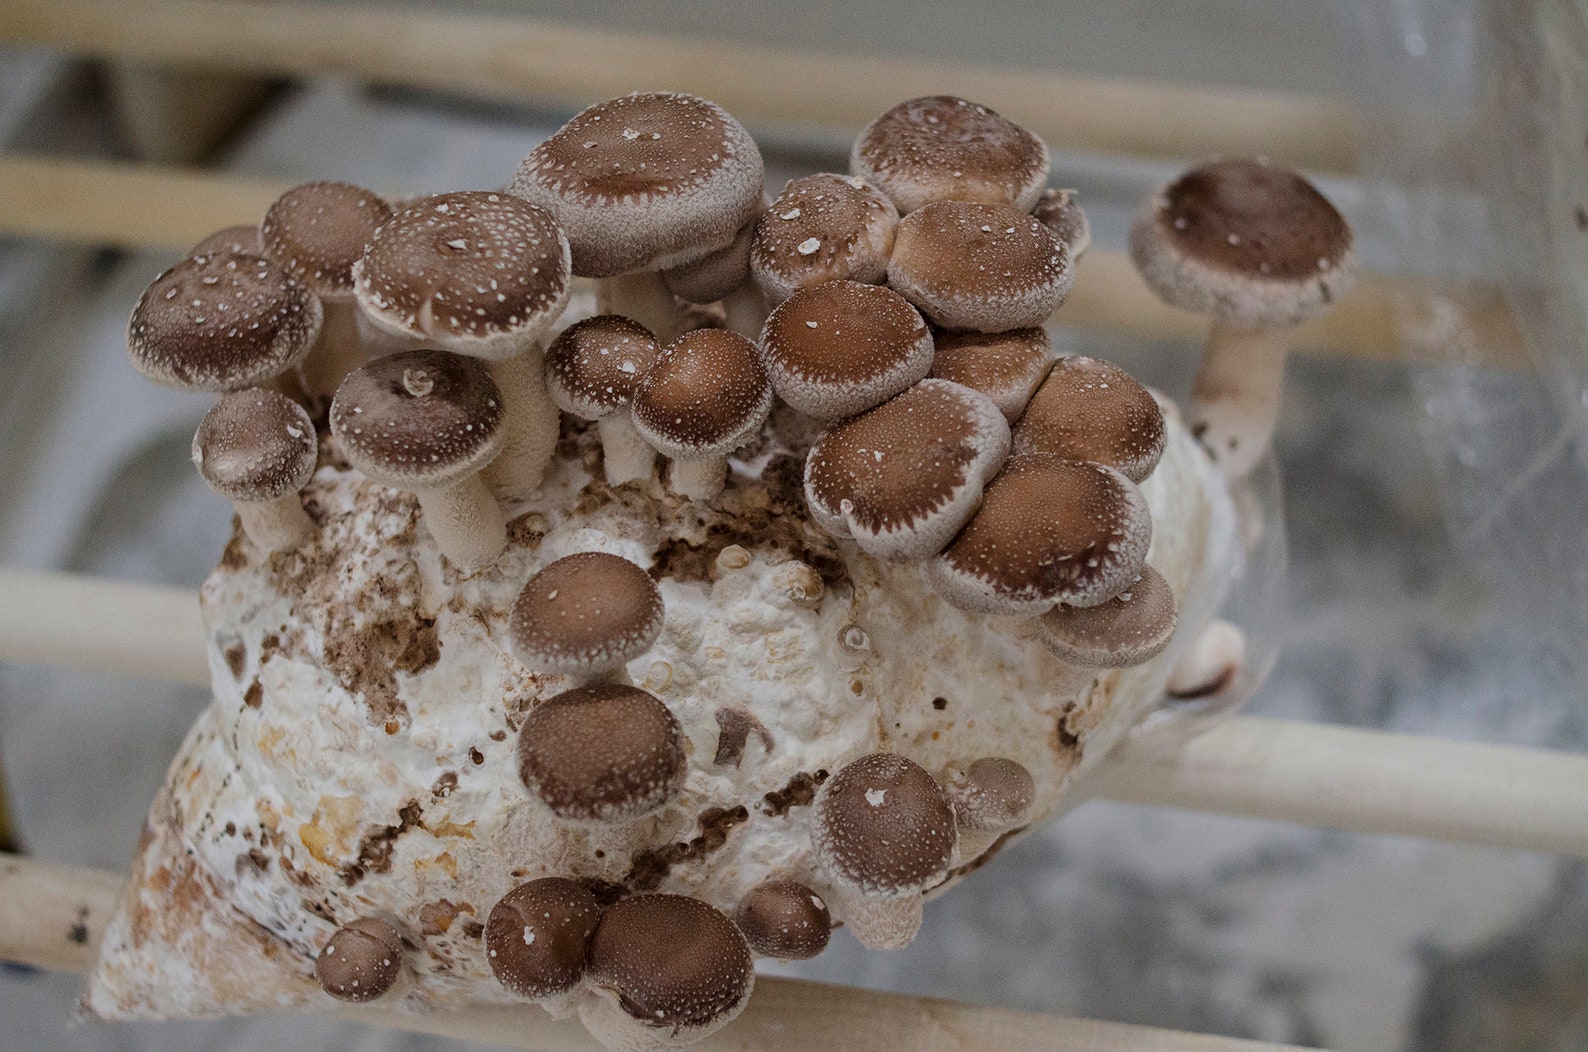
<point>645,182</point>
<point>1049,530</point>
<point>593,366</point>
<point>675,962</point>
<point>362,960</point>
<point>537,934</point>
<point>1059,212</point>
<point>984,267</point>
<point>822,228</point>
<point>704,396</point>
<point>1007,367</point>
<point>479,273</point>
<point>784,918</point>
<point>883,826</point>
<point>1088,409</point>
<point>221,323</point>
<point>585,614</point>
<point>1248,242</point>
<point>716,274</point>
<point>317,231</point>
<point>1132,627</point>
<point>942,148</point>
<point>839,348</point>
<point>418,419</point>
<point>255,445</point>
<point>229,241</point>
<point>993,794</point>
<point>903,478</point>
<point>604,753</point>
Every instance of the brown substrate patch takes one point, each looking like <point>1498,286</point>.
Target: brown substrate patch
<point>653,864</point>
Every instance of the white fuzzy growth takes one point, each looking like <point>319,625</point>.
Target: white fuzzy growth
<point>465,520</point>
<point>627,456</point>
<point>529,425</point>
<point>276,525</point>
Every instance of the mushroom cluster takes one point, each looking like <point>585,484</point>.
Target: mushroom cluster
<point>891,319</point>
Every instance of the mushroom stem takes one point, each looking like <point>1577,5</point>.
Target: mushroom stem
<point>1235,397</point>
<point>746,311</point>
<point>465,520</point>
<point>643,297</point>
<point>880,923</point>
<point>379,340</point>
<point>338,351</point>
<point>275,525</point>
<point>700,479</point>
<point>629,458</point>
<point>529,424</point>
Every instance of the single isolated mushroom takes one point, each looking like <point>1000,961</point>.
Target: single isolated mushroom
<point>1258,248</point>
<point>362,961</point>
<point>1059,212</point>
<point>990,268</point>
<point>1087,409</point>
<point>665,971</point>
<point>536,937</point>
<point>1131,628</point>
<point>723,277</point>
<point>427,422</point>
<point>942,148</point>
<point>586,615</point>
<point>257,448</point>
<point>785,919</point>
<point>317,231</point>
<point>823,228</point>
<point>592,369</point>
<point>902,479</point>
<point>1049,531</point>
<point>706,395</point>
<point>1007,367</point>
<point>481,274</point>
<point>645,183</point>
<point>883,832</point>
<point>990,797</point>
<point>222,323</point>
<point>839,348</point>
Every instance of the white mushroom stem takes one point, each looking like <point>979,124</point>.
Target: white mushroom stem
<point>338,350</point>
<point>628,457</point>
<point>643,297</point>
<point>1235,397</point>
<point>379,341</point>
<point>275,525</point>
<point>529,425</point>
<point>880,923</point>
<point>465,521</point>
<point>700,479</point>
<point>746,311</point>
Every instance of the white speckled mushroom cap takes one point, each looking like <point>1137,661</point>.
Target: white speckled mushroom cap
<point>255,445</point>
<point>716,274</point>
<point>823,228</point>
<point>1132,627</point>
<point>537,935</point>
<point>1088,409</point>
<point>705,394</point>
<point>593,365</point>
<point>1007,367</point>
<point>478,273</point>
<point>362,961</point>
<point>585,614</point>
<point>1249,242</point>
<point>993,793</point>
<point>317,231</point>
<point>943,148</point>
<point>883,826</point>
<point>645,182</point>
<point>229,241</point>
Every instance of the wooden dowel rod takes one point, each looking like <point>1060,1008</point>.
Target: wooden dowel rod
<point>52,916</point>
<point>132,206</point>
<point>1361,780</point>
<point>521,59</point>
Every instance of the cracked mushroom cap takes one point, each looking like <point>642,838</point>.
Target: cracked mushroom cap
<point>1059,212</point>
<point>883,826</point>
<point>992,794</point>
<point>823,228</point>
<point>537,935</point>
<point>1088,409</point>
<point>645,182</point>
<point>839,348</point>
<point>229,241</point>
<point>942,148</point>
<point>704,396</point>
<point>1049,530</point>
<point>222,323</point>
<point>675,963</point>
<point>990,268</point>
<point>1007,367</point>
<point>255,445</point>
<point>317,231</point>
<point>905,477</point>
<point>716,274</point>
<point>784,918</point>
<point>1132,627</point>
<point>362,960</point>
<point>418,419</point>
<point>585,614</point>
<point>1249,242</point>
<point>478,273</point>
<point>603,753</point>
<point>593,366</point>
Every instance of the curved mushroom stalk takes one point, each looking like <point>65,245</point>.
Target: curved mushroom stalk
<point>529,426</point>
<point>1235,398</point>
<point>465,520</point>
<point>278,525</point>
